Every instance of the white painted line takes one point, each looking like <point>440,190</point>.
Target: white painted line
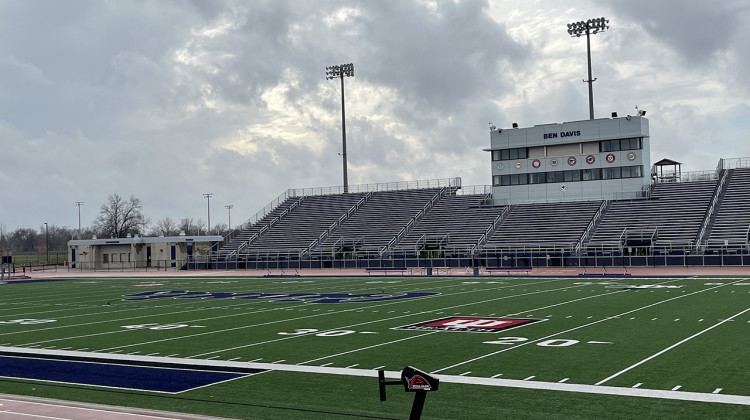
<point>717,390</point>
<point>637,385</point>
<point>563,380</point>
<point>378,368</point>
<point>326,364</point>
<point>529,378</point>
<point>677,387</point>
<point>465,373</point>
<point>351,366</point>
<point>496,376</point>
<point>669,348</point>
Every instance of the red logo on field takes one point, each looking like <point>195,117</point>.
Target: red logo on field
<point>469,324</point>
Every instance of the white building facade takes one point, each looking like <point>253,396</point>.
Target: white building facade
<point>601,159</point>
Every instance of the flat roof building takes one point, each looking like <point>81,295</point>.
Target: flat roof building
<point>138,252</point>
<point>599,159</point>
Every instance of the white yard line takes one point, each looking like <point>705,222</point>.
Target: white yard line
<point>573,329</point>
<point>655,355</point>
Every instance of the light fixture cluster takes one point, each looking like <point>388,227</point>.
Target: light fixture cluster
<point>343,70</point>
<point>583,27</point>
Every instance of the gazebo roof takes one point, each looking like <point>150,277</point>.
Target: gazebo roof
<point>667,162</point>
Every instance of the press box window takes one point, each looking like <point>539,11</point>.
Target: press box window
<point>510,154</point>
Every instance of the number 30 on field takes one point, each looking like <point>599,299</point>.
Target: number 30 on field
<point>557,342</point>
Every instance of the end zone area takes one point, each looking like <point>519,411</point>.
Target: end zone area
<point>310,347</point>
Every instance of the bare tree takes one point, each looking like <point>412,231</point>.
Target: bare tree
<point>118,217</point>
<point>165,227</point>
<point>221,229</point>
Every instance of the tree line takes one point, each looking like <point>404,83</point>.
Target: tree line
<point>118,218</point>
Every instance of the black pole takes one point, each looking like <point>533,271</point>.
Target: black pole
<point>591,80</point>
<point>416,408</point>
<point>343,135</point>
<point>46,239</point>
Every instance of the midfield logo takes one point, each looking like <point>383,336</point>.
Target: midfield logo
<point>469,324</point>
<point>281,297</point>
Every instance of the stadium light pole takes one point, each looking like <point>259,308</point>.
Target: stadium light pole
<point>208,206</point>
<point>229,208</point>
<point>46,239</point>
<point>589,27</point>
<point>340,71</point>
<point>79,204</point>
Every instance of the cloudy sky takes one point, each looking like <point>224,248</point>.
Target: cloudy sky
<point>167,100</point>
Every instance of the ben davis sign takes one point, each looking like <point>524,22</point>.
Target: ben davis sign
<point>469,324</point>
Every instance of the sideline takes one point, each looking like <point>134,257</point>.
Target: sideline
<point>373,373</point>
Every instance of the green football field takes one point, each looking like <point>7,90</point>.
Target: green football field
<point>310,347</point>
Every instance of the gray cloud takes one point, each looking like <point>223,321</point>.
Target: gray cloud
<point>166,100</point>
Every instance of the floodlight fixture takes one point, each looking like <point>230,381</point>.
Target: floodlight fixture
<point>588,27</point>
<point>340,71</point>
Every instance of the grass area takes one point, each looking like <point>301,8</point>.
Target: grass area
<point>690,335</point>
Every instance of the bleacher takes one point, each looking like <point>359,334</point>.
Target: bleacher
<point>304,224</point>
<point>671,218</point>
<point>544,225</point>
<point>732,219</point>
<point>379,221</point>
<point>252,231</point>
<point>456,223</point>
<point>400,222</point>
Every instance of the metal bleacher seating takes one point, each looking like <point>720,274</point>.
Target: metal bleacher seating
<point>732,219</point>
<point>304,224</point>
<point>379,220</point>
<point>456,222</point>
<point>544,225</point>
<point>671,218</point>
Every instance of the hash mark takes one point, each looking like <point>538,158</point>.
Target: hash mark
<point>677,387</point>
<point>324,364</point>
<point>465,373</point>
<point>637,385</point>
<point>563,380</point>
<point>530,377</point>
<point>378,368</point>
<point>279,361</point>
<point>717,390</point>
<point>351,366</point>
<point>495,376</point>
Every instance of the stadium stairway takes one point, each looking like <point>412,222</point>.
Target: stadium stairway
<point>730,223</point>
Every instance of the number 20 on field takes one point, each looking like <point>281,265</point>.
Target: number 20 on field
<point>557,342</point>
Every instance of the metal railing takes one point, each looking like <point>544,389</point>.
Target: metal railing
<point>710,210</point>
<point>591,225</point>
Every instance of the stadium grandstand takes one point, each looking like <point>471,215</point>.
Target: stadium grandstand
<point>576,194</point>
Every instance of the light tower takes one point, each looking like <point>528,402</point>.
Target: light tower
<point>208,206</point>
<point>229,208</point>
<point>340,71</point>
<point>589,27</point>
<point>79,204</point>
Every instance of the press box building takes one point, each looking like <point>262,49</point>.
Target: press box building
<point>600,159</point>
